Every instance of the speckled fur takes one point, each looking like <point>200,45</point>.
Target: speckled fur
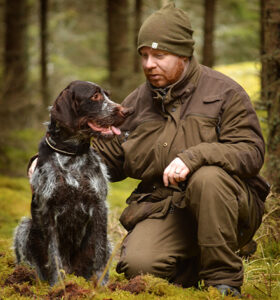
<point>68,229</point>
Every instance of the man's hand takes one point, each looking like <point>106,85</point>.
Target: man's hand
<point>32,167</point>
<point>175,172</point>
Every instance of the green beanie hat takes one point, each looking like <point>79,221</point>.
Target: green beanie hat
<point>167,29</point>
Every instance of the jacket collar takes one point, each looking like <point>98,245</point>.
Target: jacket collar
<point>185,85</point>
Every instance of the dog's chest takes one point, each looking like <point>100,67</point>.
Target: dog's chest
<point>85,174</point>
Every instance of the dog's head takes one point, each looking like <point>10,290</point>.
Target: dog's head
<point>84,107</point>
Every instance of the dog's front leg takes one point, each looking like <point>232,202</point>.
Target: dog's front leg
<point>97,247</point>
<point>54,263</point>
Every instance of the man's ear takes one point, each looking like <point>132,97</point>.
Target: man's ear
<point>63,109</point>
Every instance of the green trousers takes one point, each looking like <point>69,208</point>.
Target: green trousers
<point>198,242</point>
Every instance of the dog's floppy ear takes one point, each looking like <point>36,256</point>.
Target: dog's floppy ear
<point>63,109</point>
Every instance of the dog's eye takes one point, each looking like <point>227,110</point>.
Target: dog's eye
<point>97,97</point>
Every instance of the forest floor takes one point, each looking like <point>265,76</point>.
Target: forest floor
<point>262,270</point>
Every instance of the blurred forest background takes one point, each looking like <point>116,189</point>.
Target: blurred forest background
<point>45,44</point>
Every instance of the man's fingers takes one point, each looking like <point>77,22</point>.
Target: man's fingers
<point>165,175</point>
<point>172,175</point>
<point>183,174</point>
<point>178,171</point>
<point>172,179</point>
<point>175,172</point>
<point>32,167</point>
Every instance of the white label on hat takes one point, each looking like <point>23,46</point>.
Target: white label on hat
<point>154,45</point>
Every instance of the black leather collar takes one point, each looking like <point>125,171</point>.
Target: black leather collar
<point>66,147</point>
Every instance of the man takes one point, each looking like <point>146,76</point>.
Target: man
<point>195,143</point>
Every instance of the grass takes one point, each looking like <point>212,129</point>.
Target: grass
<point>262,270</point>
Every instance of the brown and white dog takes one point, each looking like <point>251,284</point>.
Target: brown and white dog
<point>68,225</point>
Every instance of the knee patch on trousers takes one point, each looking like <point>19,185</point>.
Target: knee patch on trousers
<point>147,263</point>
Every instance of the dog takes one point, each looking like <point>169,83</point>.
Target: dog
<point>68,225</point>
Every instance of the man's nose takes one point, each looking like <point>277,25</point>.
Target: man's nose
<point>149,63</point>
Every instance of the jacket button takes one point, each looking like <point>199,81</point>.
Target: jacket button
<point>165,144</point>
<point>173,109</point>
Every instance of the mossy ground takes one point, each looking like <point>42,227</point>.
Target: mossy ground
<point>262,270</point>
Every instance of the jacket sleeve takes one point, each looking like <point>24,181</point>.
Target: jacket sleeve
<point>112,155</point>
<point>240,147</point>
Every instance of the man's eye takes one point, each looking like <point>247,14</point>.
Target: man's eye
<point>159,55</point>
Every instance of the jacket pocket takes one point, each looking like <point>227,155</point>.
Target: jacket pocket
<point>139,210</point>
<point>200,128</point>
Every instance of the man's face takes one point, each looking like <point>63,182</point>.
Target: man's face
<point>160,67</point>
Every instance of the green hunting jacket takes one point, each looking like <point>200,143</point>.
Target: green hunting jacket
<point>205,118</point>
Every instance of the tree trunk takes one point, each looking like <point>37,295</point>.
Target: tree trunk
<point>270,81</point>
<point>15,74</point>
<point>44,53</point>
<point>137,25</point>
<point>209,27</point>
<point>14,99</point>
<point>117,40</point>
